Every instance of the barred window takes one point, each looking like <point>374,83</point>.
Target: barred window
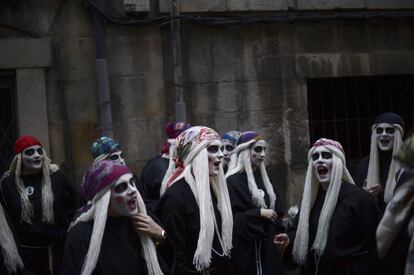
<point>7,118</point>
<point>343,108</point>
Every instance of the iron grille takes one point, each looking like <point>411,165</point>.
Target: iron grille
<point>343,108</point>
<point>7,118</point>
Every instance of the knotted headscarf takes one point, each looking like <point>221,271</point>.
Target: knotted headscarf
<point>232,137</point>
<point>339,173</point>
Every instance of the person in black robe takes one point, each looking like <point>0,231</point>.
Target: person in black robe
<point>229,141</point>
<point>334,231</point>
<point>155,169</point>
<point>40,205</point>
<point>196,207</point>
<point>112,233</point>
<point>378,173</point>
<point>257,210</point>
<point>394,234</point>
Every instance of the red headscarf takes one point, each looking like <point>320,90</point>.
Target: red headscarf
<point>25,142</point>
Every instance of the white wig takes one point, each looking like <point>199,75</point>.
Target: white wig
<point>192,145</point>
<point>12,260</point>
<point>373,166</point>
<point>27,213</point>
<point>339,173</point>
<point>244,164</point>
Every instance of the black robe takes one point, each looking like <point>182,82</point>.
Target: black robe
<point>251,232</point>
<point>384,160</point>
<point>179,212</point>
<point>120,251</point>
<point>34,239</point>
<point>351,244</point>
<point>150,182</point>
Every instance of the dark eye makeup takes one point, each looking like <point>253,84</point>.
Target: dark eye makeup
<point>213,149</point>
<point>325,155</point>
<point>30,152</point>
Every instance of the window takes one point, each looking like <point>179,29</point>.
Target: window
<point>343,108</point>
<point>7,118</point>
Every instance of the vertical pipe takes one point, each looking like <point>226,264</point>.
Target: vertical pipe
<point>102,77</point>
<point>180,108</point>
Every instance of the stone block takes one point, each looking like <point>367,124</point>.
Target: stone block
<point>32,105</point>
<point>25,53</point>
<point>329,4</point>
<point>384,63</point>
<point>389,4</point>
<point>256,5</point>
<point>78,58</point>
<point>188,6</point>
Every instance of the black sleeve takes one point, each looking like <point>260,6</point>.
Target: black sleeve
<point>148,185</point>
<point>76,248</point>
<point>248,223</point>
<point>361,172</point>
<point>72,199</point>
<point>174,219</point>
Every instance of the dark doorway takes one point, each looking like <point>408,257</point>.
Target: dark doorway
<point>7,118</point>
<point>343,108</point>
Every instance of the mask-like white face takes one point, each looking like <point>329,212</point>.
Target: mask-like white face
<point>385,136</point>
<point>227,148</point>
<point>117,156</point>
<point>258,152</point>
<point>124,196</point>
<point>32,158</point>
<point>214,157</point>
<point>322,164</point>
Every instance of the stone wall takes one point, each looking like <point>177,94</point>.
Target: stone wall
<point>250,77</point>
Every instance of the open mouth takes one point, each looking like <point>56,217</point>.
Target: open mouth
<point>132,203</point>
<point>322,170</point>
<point>37,162</point>
<point>217,164</point>
<point>385,141</point>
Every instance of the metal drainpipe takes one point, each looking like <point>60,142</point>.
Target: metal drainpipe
<point>102,77</point>
<point>180,109</point>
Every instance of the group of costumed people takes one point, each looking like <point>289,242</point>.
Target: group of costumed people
<point>206,205</point>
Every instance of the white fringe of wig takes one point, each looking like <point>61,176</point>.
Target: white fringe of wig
<point>11,256</point>
<point>373,166</point>
<point>244,164</point>
<point>98,213</point>
<point>171,166</point>
<point>339,173</point>
<point>196,174</point>
<point>47,193</point>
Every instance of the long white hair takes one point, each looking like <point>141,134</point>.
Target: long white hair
<point>373,166</point>
<point>339,173</point>
<point>244,164</point>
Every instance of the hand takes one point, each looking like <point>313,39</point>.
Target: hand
<point>145,224</point>
<point>374,190</point>
<point>281,241</point>
<point>268,214</point>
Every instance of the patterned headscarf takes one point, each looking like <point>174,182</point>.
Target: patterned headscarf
<point>102,147</point>
<point>339,173</point>
<point>192,165</point>
<point>173,130</point>
<point>244,143</point>
<point>96,188</point>
<point>232,136</point>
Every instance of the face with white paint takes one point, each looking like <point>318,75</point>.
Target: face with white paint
<point>123,197</point>
<point>117,156</point>
<point>227,148</point>
<point>215,155</point>
<point>258,153</point>
<point>32,158</point>
<point>385,133</point>
<point>322,164</point>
